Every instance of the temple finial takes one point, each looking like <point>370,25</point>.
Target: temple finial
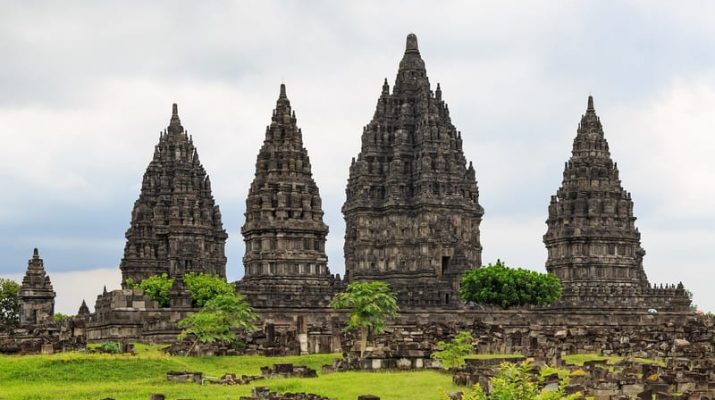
<point>175,123</point>
<point>35,253</point>
<point>283,91</point>
<point>590,104</point>
<point>411,46</point>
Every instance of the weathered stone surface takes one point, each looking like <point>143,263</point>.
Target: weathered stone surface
<point>284,232</point>
<point>185,376</point>
<point>593,245</point>
<point>412,212</point>
<point>176,226</point>
<point>37,297</point>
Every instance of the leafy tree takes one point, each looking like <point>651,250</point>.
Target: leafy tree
<point>219,320</point>
<point>370,305</point>
<point>515,382</point>
<point>9,303</point>
<point>507,287</point>
<point>157,287</point>
<point>452,353</point>
<point>205,287</point>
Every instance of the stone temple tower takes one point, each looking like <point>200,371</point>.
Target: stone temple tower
<point>285,261</point>
<point>176,226</point>
<point>412,212</point>
<point>593,245</point>
<point>37,297</point>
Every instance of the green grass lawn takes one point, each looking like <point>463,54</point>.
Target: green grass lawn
<point>124,377</point>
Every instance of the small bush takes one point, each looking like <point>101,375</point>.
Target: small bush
<point>109,347</point>
<point>452,353</point>
<point>157,287</point>
<point>515,382</point>
<point>59,317</point>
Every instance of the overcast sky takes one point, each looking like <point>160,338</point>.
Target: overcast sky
<point>85,88</point>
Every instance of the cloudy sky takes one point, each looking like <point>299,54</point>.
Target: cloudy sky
<point>85,88</point>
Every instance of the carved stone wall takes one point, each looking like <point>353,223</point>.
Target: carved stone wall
<point>176,226</point>
<point>412,212</point>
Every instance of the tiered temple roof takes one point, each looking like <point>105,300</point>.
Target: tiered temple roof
<point>412,204</point>
<point>176,226</point>
<point>284,230</point>
<point>37,297</point>
<point>593,245</point>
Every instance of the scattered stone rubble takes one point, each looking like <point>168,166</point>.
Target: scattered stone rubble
<point>288,371</point>
<point>283,370</point>
<point>411,346</point>
<point>185,376</point>
<point>678,378</point>
<point>264,393</point>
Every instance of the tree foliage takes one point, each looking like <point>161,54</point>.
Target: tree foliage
<point>9,303</point>
<point>507,287</point>
<point>204,287</point>
<point>515,382</point>
<point>157,287</point>
<point>219,320</point>
<point>452,353</point>
<point>59,317</point>
<point>370,305</point>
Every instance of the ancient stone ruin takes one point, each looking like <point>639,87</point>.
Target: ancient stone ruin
<point>412,212</point>
<point>37,298</point>
<point>285,262</point>
<point>593,245</point>
<point>412,219</point>
<point>176,226</point>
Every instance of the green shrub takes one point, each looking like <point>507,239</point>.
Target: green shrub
<point>61,317</point>
<point>452,353</point>
<point>205,287</point>
<point>109,347</point>
<point>515,382</point>
<point>157,287</point>
<point>507,287</point>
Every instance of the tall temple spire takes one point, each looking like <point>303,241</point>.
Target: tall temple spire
<point>593,245</point>
<point>412,211</point>
<point>284,230</point>
<point>175,226</point>
<point>592,210</point>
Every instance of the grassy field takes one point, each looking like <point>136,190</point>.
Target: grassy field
<point>83,376</point>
